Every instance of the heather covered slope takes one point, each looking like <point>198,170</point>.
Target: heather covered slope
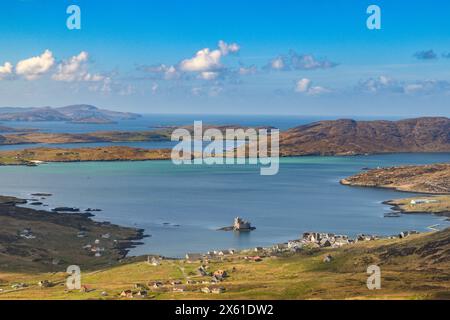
<point>433,178</point>
<point>416,267</point>
<point>347,137</point>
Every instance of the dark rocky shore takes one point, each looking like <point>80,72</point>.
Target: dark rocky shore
<point>38,240</point>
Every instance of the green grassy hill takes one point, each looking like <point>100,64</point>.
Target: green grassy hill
<point>416,267</point>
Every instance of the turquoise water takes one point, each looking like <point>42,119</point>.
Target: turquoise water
<point>304,196</point>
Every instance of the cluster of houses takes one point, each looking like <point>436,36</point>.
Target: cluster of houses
<point>27,234</point>
<point>423,201</point>
<point>307,240</point>
<point>141,290</point>
<point>95,248</point>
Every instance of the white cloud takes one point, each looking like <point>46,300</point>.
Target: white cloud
<point>209,75</point>
<point>277,64</point>
<point>316,90</point>
<point>305,86</point>
<point>208,60</point>
<point>243,71</point>
<point>384,84</point>
<point>295,61</point>
<point>204,60</point>
<point>6,70</point>
<point>167,72</point>
<point>75,69</point>
<point>34,67</point>
<point>380,84</point>
<point>228,48</point>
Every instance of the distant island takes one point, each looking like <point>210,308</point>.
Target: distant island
<point>81,113</point>
<point>350,137</point>
<point>326,138</point>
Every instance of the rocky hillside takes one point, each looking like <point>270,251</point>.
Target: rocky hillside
<point>434,178</point>
<point>348,137</point>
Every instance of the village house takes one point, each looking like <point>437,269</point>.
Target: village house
<point>27,234</point>
<point>126,294</point>
<point>218,290</point>
<point>153,261</point>
<point>366,237</point>
<point>156,284</point>
<point>19,285</point>
<point>280,247</point>
<point>141,294</point>
<point>205,290</point>
<point>405,234</point>
<point>294,244</point>
<point>178,289</point>
<point>423,201</point>
<point>225,252</point>
<point>44,284</point>
<point>81,234</point>
<point>194,257</point>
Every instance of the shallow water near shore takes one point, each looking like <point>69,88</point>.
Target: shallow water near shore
<point>182,206</point>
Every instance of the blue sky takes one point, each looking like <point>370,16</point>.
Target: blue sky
<point>229,57</point>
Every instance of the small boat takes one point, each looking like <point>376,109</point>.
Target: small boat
<point>392,215</point>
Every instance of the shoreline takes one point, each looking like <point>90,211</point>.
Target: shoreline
<point>125,245</point>
<point>33,239</point>
<point>123,249</point>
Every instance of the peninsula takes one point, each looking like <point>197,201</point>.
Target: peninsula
<point>433,179</point>
<point>42,241</point>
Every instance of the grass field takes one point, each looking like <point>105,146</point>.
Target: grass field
<point>417,267</point>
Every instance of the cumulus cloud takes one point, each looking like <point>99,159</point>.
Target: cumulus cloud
<point>379,84</point>
<point>209,75</point>
<point>427,87</point>
<point>243,71</point>
<point>6,70</point>
<point>163,71</point>
<point>34,67</point>
<point>425,55</point>
<point>75,69</point>
<point>305,86</point>
<point>384,84</point>
<point>206,64</point>
<point>295,61</point>
<point>206,60</point>
<point>226,48</point>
